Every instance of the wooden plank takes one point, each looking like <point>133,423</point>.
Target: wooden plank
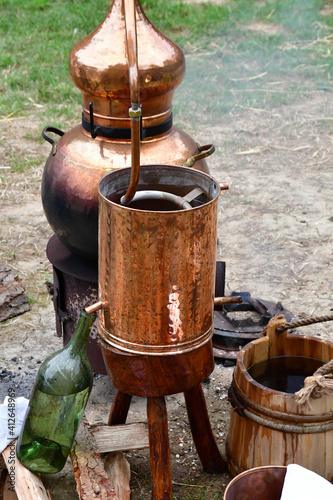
<point>121,437</point>
<point>27,485</point>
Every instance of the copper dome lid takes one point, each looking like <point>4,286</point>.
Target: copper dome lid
<point>99,68</point>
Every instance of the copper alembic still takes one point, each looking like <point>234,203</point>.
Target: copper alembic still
<point>157,251</point>
<point>101,143</point>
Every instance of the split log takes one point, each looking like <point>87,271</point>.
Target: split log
<point>92,481</point>
<point>13,300</point>
<point>110,438</point>
<point>119,472</point>
<point>27,485</point>
<point>7,492</point>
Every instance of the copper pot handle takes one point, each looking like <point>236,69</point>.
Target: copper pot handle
<point>204,151</point>
<point>49,139</point>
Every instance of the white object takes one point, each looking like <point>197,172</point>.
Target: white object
<point>11,419</point>
<point>304,484</point>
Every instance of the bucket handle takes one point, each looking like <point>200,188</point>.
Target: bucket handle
<point>135,110</point>
<point>304,322</point>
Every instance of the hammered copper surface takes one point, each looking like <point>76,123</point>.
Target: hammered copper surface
<point>157,269</point>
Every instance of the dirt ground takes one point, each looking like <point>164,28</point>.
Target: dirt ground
<point>274,233</point>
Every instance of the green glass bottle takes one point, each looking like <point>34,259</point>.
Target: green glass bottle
<point>59,396</point>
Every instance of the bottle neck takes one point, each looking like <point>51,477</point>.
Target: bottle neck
<point>80,337</point>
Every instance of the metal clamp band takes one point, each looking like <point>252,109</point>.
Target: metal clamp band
<point>123,133</point>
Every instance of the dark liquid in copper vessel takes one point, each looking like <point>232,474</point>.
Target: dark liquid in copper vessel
<point>284,373</point>
<point>154,205</point>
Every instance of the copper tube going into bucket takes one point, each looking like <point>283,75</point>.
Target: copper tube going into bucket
<point>135,110</point>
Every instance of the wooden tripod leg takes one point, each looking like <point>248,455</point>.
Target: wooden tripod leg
<point>119,409</point>
<point>160,463</point>
<point>204,440</point>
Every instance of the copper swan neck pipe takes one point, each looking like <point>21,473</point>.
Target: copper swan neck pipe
<point>135,110</point>
<point>132,50</point>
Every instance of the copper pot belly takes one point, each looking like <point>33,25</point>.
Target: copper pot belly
<point>74,168</point>
<point>157,268</point>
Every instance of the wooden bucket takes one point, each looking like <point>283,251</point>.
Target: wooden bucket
<point>268,427</point>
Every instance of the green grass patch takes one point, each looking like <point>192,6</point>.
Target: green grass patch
<point>46,276</point>
<point>36,37</point>
<point>185,22</point>
<point>32,299</point>
<point>209,489</point>
<point>21,163</point>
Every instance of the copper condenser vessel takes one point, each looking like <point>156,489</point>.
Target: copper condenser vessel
<point>102,142</point>
<point>157,260</point>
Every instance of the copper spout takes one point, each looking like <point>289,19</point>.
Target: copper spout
<point>220,301</point>
<point>135,110</point>
<point>97,306</point>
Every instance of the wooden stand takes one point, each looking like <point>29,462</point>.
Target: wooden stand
<point>154,377</point>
